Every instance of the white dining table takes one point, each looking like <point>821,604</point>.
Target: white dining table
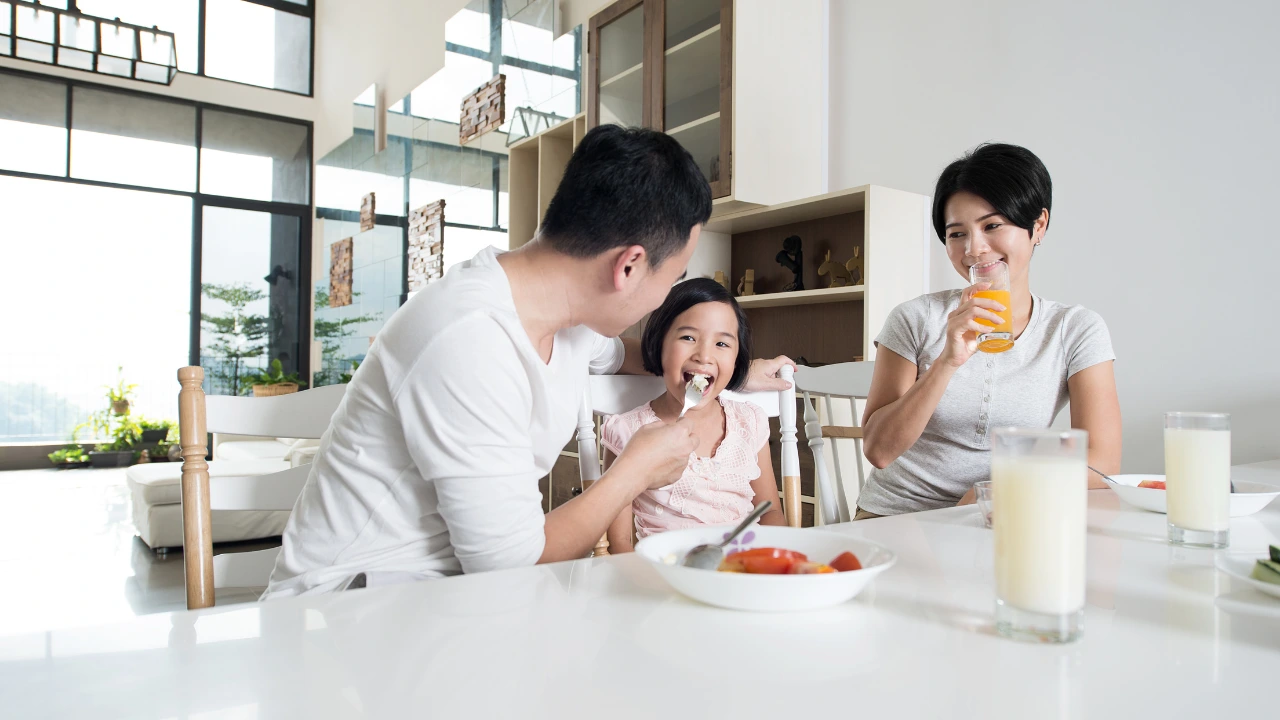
<point>1166,636</point>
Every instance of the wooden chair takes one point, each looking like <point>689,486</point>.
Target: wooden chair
<point>303,415</point>
<point>614,394</point>
<point>851,381</point>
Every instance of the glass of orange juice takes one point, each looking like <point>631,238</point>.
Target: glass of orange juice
<point>1000,337</point>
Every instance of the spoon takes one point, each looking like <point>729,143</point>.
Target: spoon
<point>709,557</point>
<point>1108,479</point>
<point>692,396</point>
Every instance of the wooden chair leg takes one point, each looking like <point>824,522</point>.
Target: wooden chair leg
<point>197,526</point>
<point>791,499</point>
<point>602,548</point>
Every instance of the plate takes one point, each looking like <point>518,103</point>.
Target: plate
<point>766,593</point>
<point>1239,567</point>
<point>1249,497</point>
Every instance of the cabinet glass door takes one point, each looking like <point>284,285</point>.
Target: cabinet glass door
<point>620,71</point>
<point>695,103</point>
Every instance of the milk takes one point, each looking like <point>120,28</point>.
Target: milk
<point>1197,468</point>
<point>1039,525</point>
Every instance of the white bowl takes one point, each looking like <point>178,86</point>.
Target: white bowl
<point>1249,497</point>
<point>1239,567</point>
<point>766,593</point>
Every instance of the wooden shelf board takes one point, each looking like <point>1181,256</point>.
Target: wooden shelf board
<point>622,75</point>
<point>802,297</point>
<point>694,124</point>
<point>693,40</point>
<point>836,203</point>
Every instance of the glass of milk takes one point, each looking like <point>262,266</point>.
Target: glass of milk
<point>1039,483</point>
<point>1197,469</point>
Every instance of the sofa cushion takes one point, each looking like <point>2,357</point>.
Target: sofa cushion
<point>268,449</point>
<point>161,483</point>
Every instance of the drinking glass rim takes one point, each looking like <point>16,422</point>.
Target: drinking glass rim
<point>1184,414</point>
<point>1040,433</point>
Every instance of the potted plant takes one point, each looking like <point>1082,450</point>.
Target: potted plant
<point>274,381</point>
<point>69,457</point>
<point>120,395</point>
<point>156,436</point>
<point>120,451</point>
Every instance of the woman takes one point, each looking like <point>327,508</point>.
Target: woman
<point>934,398</point>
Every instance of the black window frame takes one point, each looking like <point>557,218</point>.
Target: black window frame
<point>202,200</point>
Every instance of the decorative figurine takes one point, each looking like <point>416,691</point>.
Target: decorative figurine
<point>791,257</point>
<point>747,285</point>
<point>839,275</point>
<point>854,266</point>
<point>720,278</point>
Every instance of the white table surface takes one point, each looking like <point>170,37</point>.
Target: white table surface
<point>1166,636</point>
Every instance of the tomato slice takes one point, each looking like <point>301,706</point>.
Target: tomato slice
<point>845,562</point>
<point>762,561</point>
<point>1153,484</point>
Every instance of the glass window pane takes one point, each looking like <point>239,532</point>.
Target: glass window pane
<point>257,45</point>
<point>470,27</point>
<point>33,132</point>
<point>440,97</point>
<point>118,41</point>
<point>462,244</point>
<point>249,305</point>
<point>133,140</point>
<point>547,93</point>
<point>254,158</point>
<point>527,33</point>
<point>462,177</point>
<point>180,17</point>
<point>36,24</point>
<point>377,280</point>
<point>62,352</point>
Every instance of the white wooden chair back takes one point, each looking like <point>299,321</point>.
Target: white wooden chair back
<point>851,381</point>
<point>614,394</point>
<point>302,415</point>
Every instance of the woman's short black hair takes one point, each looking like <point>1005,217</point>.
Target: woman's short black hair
<point>682,297</point>
<point>623,187</point>
<point>1009,177</point>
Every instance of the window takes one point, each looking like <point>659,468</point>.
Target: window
<point>33,125</point>
<point>87,306</point>
<point>180,17</point>
<point>377,283</point>
<point>123,235</point>
<point>257,45</point>
<point>250,286</point>
<point>250,157</point>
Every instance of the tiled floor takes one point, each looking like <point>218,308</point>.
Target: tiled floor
<point>69,556</point>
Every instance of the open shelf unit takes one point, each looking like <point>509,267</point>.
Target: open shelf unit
<point>847,293</point>
<point>537,164</point>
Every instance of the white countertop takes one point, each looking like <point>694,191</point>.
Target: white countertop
<point>1166,636</point>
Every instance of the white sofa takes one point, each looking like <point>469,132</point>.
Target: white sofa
<point>155,490</point>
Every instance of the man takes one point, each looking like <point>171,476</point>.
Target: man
<point>431,464</point>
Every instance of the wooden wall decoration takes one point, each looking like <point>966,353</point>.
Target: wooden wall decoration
<point>483,110</point>
<point>426,245</point>
<point>340,267</point>
<point>367,209</point>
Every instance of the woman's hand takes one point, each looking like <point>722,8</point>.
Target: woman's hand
<point>963,327</point>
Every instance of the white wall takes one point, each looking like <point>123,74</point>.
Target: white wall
<point>1158,121</point>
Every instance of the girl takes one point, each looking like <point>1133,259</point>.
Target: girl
<point>698,330</point>
<point>933,398</point>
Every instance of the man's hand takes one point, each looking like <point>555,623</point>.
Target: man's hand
<point>658,453</point>
<point>763,375</point>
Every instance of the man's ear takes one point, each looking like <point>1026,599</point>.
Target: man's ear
<point>627,264</point>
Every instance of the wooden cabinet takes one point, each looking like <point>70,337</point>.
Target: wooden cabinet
<point>739,83</point>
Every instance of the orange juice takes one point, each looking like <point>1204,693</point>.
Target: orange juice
<point>1001,336</point>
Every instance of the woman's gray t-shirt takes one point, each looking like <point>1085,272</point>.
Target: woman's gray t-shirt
<point>1022,387</point>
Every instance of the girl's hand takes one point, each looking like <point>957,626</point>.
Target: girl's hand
<point>963,328</point>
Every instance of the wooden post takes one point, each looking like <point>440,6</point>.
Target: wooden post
<point>197,527</point>
<point>790,456</point>
<point>589,458</point>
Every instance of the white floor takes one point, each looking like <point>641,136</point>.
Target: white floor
<point>69,556</point>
